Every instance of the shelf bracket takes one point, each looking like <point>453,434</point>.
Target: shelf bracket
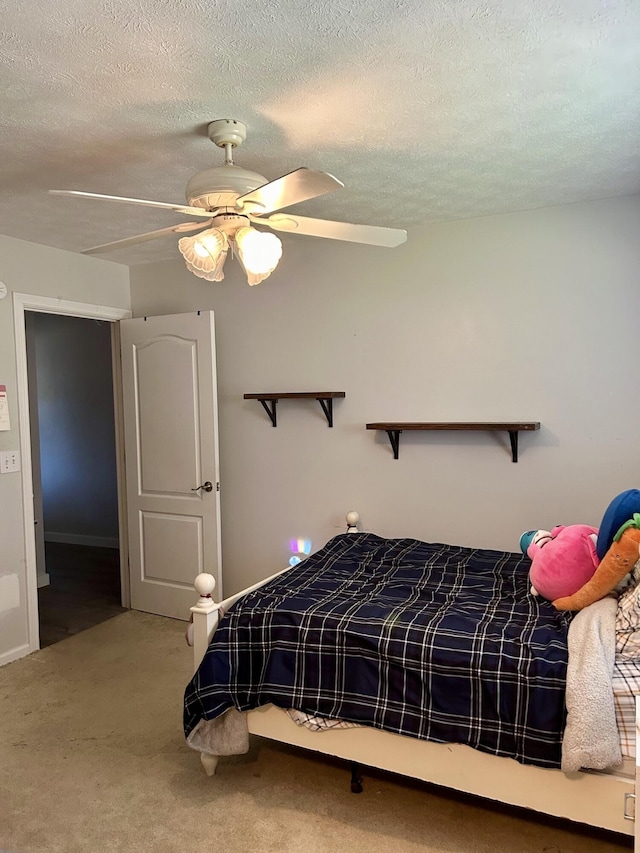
<point>270,409</point>
<point>327,408</point>
<point>513,437</point>
<point>394,438</point>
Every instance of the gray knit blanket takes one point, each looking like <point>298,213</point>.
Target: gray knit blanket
<point>591,735</point>
<point>227,734</point>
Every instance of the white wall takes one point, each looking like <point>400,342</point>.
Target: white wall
<point>532,316</point>
<point>30,268</point>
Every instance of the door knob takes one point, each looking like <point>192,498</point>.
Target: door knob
<point>208,487</point>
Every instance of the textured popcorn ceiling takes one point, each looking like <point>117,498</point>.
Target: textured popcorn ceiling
<point>426,110</point>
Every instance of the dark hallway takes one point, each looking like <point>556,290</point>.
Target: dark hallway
<point>84,590</point>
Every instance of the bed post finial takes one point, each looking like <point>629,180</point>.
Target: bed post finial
<point>204,584</point>
<point>353,518</point>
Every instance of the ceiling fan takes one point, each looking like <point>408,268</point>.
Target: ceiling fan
<point>228,199</point>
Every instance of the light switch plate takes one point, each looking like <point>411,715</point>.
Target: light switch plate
<point>9,461</point>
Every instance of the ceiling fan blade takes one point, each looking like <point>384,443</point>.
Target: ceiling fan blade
<point>374,235</point>
<point>180,208</point>
<point>142,238</point>
<point>290,189</point>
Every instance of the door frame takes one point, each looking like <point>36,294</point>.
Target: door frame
<point>49,305</point>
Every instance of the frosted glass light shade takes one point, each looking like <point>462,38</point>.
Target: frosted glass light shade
<point>205,254</point>
<point>259,253</point>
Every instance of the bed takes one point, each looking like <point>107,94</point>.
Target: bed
<point>488,720</point>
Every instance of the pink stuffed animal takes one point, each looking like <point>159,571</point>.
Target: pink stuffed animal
<point>562,560</point>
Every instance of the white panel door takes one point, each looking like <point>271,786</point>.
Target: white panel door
<point>171,450</point>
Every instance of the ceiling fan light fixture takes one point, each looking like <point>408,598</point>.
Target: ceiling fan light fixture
<point>205,254</point>
<point>259,253</point>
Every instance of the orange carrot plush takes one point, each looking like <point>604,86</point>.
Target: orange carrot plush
<point>619,560</point>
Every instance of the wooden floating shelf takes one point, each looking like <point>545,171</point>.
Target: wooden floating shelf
<point>270,400</point>
<point>393,430</point>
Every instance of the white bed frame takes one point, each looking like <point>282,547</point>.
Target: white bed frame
<point>603,800</point>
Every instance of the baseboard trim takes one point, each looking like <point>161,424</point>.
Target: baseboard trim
<point>44,580</point>
<point>14,654</point>
<point>79,539</point>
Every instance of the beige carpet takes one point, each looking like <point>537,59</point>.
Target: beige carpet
<point>92,759</point>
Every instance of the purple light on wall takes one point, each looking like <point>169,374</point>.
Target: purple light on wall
<point>300,548</point>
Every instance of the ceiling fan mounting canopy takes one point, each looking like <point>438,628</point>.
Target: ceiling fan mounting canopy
<point>227,131</point>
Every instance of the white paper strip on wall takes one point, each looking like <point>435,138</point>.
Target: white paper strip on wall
<point>4,410</point>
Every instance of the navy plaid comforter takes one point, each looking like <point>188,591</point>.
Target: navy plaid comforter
<point>433,641</point>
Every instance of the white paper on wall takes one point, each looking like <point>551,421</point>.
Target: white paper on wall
<point>4,410</point>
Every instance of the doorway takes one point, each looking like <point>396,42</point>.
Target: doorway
<point>31,467</point>
<point>73,455</point>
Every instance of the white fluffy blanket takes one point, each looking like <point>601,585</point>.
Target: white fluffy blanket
<point>591,736</point>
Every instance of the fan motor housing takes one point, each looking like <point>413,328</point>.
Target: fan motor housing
<point>221,186</point>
